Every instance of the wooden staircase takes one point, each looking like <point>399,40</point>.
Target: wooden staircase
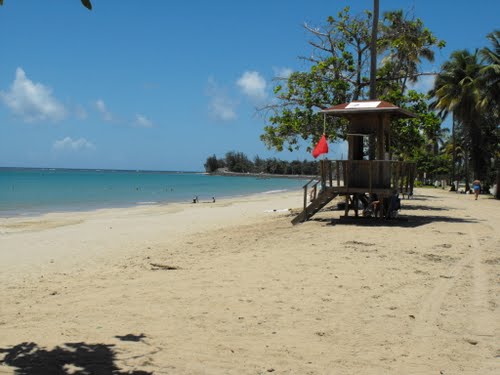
<point>317,204</point>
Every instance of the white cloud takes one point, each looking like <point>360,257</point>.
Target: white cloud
<point>253,85</point>
<point>143,121</point>
<point>101,107</point>
<point>72,145</point>
<point>423,84</point>
<point>221,107</point>
<point>283,72</point>
<point>32,101</point>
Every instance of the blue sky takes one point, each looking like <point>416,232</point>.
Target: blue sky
<point>161,85</point>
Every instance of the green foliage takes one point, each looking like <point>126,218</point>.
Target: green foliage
<point>212,164</point>
<point>435,166</point>
<point>403,43</point>
<point>490,73</point>
<point>339,72</point>
<point>468,87</point>
<point>238,162</point>
<point>408,136</point>
<point>87,4</point>
<point>336,63</point>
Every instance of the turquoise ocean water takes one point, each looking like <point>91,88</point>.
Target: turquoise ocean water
<point>34,191</point>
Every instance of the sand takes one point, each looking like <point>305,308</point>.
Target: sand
<point>233,288</point>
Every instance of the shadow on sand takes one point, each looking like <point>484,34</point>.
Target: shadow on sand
<point>403,221</point>
<point>421,197</point>
<point>411,207</point>
<point>70,358</point>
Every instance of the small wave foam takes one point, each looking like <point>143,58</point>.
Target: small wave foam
<point>274,191</point>
<point>146,203</point>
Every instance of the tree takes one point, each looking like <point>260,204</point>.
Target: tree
<point>339,72</point>
<point>259,164</point>
<point>212,164</point>
<point>490,103</point>
<point>404,43</point>
<point>458,89</point>
<point>373,51</point>
<point>238,162</point>
<point>491,74</point>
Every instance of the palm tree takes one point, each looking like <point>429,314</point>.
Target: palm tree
<point>457,89</point>
<point>491,73</point>
<point>490,102</point>
<point>373,51</point>
<point>406,43</point>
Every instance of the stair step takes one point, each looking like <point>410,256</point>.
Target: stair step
<point>314,207</point>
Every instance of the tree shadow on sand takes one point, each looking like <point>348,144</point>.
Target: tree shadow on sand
<point>422,197</point>
<point>411,207</point>
<point>70,358</point>
<point>403,221</point>
<point>131,337</point>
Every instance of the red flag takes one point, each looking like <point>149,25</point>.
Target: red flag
<point>321,147</point>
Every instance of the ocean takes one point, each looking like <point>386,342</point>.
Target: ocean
<point>34,191</point>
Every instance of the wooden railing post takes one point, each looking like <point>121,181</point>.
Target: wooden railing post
<point>346,174</point>
<point>370,174</point>
<point>401,176</point>
<point>337,164</point>
<point>305,197</point>
<point>330,173</point>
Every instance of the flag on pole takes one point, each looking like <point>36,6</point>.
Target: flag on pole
<point>321,147</point>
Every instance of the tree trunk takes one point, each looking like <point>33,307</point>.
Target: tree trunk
<point>466,161</point>
<point>497,195</point>
<point>373,72</point>
<point>373,50</point>
<point>454,157</point>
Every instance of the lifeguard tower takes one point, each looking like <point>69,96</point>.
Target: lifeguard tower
<point>360,180</point>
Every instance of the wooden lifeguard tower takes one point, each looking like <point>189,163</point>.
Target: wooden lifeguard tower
<point>357,178</point>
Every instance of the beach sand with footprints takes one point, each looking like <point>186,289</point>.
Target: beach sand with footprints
<point>233,288</point>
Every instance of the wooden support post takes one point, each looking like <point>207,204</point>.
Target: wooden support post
<point>322,171</point>
<point>401,177</point>
<point>370,176</point>
<point>346,212</point>
<point>330,173</point>
<point>305,197</point>
<point>346,174</point>
<point>407,182</point>
<point>337,163</point>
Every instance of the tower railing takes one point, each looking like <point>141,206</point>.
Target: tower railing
<point>368,175</point>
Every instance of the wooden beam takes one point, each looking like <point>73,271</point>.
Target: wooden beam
<point>338,172</point>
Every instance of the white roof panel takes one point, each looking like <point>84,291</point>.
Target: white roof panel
<point>363,105</point>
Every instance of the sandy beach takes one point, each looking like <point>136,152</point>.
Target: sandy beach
<point>233,288</point>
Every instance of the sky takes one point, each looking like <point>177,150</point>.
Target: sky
<point>162,85</point>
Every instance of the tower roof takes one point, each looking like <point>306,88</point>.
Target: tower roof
<point>367,106</point>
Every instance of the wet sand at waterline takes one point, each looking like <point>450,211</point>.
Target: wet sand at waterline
<point>233,288</point>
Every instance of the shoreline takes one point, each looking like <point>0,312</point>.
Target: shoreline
<point>123,224</point>
<point>13,214</point>
<point>79,192</point>
<point>233,287</point>
<point>262,175</point>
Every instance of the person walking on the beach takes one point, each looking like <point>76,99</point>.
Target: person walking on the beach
<point>476,186</point>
